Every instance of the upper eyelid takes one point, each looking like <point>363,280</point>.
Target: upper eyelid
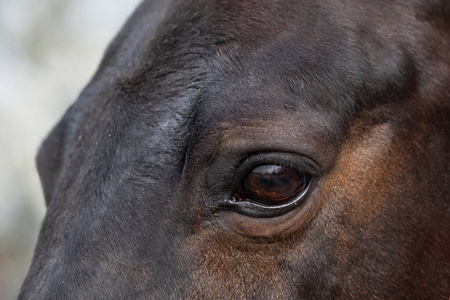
<point>284,159</point>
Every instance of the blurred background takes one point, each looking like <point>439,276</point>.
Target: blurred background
<point>49,49</point>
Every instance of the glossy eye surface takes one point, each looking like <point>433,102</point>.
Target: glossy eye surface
<point>272,185</point>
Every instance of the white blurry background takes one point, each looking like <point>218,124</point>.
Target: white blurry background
<point>49,49</point>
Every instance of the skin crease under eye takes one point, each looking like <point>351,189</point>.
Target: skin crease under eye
<point>272,184</point>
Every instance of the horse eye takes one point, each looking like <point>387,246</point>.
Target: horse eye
<point>272,185</point>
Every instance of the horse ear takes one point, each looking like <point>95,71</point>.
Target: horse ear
<point>49,159</point>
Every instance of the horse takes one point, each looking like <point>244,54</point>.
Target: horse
<point>251,149</point>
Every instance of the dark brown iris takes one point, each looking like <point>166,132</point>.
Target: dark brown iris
<point>272,184</point>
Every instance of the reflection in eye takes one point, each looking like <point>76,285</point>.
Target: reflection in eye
<point>272,185</point>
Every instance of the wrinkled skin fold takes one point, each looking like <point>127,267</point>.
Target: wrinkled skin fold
<point>139,173</point>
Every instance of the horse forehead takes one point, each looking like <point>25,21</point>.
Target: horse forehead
<point>225,58</point>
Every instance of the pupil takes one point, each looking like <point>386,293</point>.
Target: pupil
<point>266,181</point>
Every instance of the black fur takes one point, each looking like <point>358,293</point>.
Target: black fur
<point>357,92</point>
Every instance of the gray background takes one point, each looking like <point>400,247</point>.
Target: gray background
<point>49,49</point>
